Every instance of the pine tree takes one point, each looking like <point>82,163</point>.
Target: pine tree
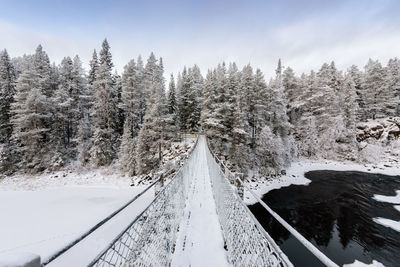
<point>246,102</point>
<point>104,111</point>
<point>30,117</point>
<point>128,148</point>
<point>208,104</point>
<point>269,152</point>
<point>195,92</point>
<point>128,96</point>
<point>346,141</point>
<point>41,64</point>
<point>291,87</point>
<point>357,77</point>
<point>7,91</point>
<point>153,134</point>
<point>172,105</point>
<point>172,117</point>
<point>81,128</point>
<point>239,151</point>
<point>374,89</point>
<point>278,107</point>
<point>392,88</point>
<point>94,66</point>
<point>274,139</point>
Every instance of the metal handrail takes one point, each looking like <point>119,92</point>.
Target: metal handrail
<point>101,259</point>
<point>247,242</point>
<point>99,224</point>
<point>315,251</point>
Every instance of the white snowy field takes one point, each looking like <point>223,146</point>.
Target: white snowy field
<point>43,214</point>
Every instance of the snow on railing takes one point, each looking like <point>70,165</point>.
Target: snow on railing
<point>223,180</point>
<point>149,240</point>
<point>246,241</point>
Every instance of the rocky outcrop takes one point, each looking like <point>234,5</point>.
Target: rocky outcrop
<point>385,130</point>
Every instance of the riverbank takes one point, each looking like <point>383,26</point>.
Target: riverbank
<point>295,174</point>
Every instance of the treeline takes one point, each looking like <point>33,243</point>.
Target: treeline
<point>261,127</point>
<point>53,115</point>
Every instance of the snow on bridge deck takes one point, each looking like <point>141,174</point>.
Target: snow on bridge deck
<point>200,241</point>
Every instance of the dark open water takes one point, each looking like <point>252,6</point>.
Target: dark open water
<point>335,212</point>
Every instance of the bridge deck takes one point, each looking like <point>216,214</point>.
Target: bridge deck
<point>200,241</point>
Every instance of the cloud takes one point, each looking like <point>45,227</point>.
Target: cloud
<point>304,43</point>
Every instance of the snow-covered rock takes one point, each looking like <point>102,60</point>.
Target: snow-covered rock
<point>384,129</point>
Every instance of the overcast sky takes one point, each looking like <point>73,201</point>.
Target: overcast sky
<point>304,34</point>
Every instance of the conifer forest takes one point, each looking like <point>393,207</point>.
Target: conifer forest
<point>55,115</point>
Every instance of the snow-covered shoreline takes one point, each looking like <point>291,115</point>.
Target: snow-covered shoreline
<point>101,177</point>
<point>295,174</point>
<point>111,176</point>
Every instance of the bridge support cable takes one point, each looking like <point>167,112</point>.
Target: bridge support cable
<point>149,240</point>
<point>230,177</point>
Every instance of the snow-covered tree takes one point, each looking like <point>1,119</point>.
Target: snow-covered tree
<point>82,98</point>
<point>290,85</point>
<point>374,89</point>
<point>190,87</point>
<point>104,111</point>
<point>269,152</point>
<point>30,117</point>
<point>64,107</point>
<point>93,68</point>
<point>128,148</point>
<point>153,134</point>
<point>172,104</point>
<point>392,88</point>
<point>357,76</point>
<point>7,91</point>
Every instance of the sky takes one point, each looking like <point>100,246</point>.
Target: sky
<point>304,34</point>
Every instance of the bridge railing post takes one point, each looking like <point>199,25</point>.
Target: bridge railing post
<point>239,185</point>
<point>162,180</point>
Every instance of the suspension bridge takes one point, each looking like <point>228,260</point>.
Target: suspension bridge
<point>197,218</point>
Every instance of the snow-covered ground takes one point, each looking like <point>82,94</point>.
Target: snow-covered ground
<point>109,177</point>
<point>42,213</point>
<point>44,221</point>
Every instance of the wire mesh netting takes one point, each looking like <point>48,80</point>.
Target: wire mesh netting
<point>246,241</point>
<point>150,239</point>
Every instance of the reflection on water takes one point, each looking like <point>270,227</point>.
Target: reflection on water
<point>335,212</point>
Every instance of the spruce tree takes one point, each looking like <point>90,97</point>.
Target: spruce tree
<point>30,117</point>
<point>153,133</point>
<point>104,111</point>
<point>172,105</point>
<point>374,89</point>
<point>7,91</point>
